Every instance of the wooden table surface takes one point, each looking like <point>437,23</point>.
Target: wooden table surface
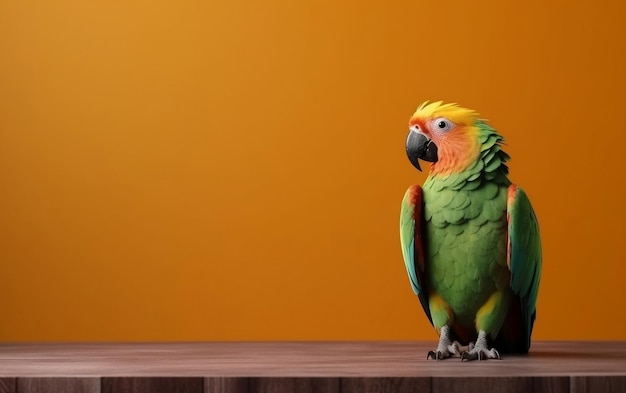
<point>303,366</point>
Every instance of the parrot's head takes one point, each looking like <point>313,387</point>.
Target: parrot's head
<point>445,135</point>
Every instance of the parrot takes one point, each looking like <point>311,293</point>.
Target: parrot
<point>469,236</point>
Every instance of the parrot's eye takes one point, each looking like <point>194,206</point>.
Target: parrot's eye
<point>441,124</point>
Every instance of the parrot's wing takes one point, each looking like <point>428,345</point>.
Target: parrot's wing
<point>524,253</point>
<point>411,241</point>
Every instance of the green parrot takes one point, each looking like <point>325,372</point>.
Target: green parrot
<point>470,238</point>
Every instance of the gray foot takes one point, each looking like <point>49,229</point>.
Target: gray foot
<point>446,348</point>
<point>480,351</point>
<point>453,350</point>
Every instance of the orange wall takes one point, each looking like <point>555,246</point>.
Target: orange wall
<point>233,170</point>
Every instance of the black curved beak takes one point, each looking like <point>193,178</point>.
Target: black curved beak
<point>418,146</point>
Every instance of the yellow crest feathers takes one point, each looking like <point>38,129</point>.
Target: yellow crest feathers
<point>451,111</point>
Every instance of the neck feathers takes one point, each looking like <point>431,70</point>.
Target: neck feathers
<point>488,164</point>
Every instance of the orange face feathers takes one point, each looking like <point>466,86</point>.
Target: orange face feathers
<point>452,129</point>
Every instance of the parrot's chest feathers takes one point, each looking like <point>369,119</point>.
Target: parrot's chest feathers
<point>465,236</point>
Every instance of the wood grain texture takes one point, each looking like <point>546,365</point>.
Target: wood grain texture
<point>226,385</point>
<point>482,385</point>
<point>294,385</point>
<point>300,359</point>
<point>8,385</point>
<point>385,385</point>
<point>609,384</point>
<point>152,385</point>
<point>55,385</point>
<point>551,384</point>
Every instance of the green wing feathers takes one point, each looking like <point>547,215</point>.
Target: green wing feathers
<point>524,253</point>
<point>411,240</point>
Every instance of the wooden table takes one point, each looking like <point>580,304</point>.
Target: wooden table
<point>304,367</point>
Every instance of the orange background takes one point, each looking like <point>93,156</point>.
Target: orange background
<point>233,170</point>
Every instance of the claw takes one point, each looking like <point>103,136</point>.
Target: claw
<point>456,349</point>
<point>445,351</point>
<point>467,356</point>
<point>435,355</point>
<point>480,354</point>
<point>480,351</point>
<point>445,348</point>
